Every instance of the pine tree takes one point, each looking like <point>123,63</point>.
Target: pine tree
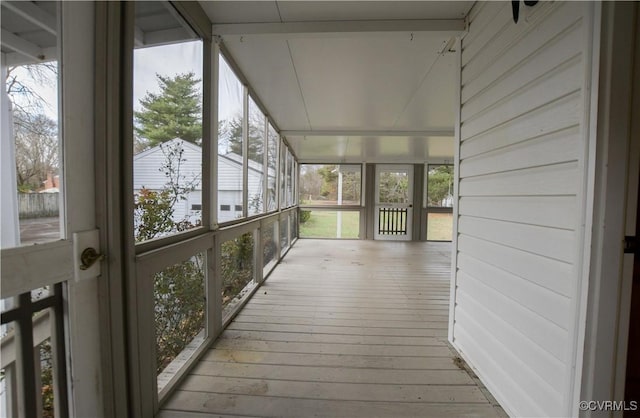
<point>176,112</point>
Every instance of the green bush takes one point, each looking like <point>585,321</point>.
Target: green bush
<point>305,215</point>
<point>179,308</point>
<point>236,265</point>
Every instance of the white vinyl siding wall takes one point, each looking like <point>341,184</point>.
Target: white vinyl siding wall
<point>523,172</point>
<point>148,173</point>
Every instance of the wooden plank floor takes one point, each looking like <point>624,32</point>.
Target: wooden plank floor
<point>340,329</point>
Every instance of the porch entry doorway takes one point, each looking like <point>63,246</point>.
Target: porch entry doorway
<point>393,202</point>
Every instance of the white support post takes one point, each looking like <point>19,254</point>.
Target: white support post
<point>339,214</point>
<point>10,226</point>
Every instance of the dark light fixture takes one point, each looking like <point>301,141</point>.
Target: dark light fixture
<point>515,7</point>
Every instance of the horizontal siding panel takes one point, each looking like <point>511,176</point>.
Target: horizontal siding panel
<point>551,274</point>
<point>559,147</point>
<point>522,170</point>
<point>563,81</point>
<point>547,367</point>
<point>503,384</point>
<point>558,115</point>
<point>540,331</point>
<point>515,45</point>
<point>547,242</point>
<point>229,175</point>
<point>538,391</point>
<point>492,20</point>
<point>538,299</point>
<point>148,169</point>
<point>560,179</point>
<point>548,211</point>
<point>535,66</point>
<point>479,13</point>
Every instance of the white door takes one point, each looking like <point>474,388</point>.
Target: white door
<point>393,202</point>
<point>47,197</point>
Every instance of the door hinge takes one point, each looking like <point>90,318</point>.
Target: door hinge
<point>630,245</point>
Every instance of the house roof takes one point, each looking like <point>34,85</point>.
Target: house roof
<point>230,157</point>
<point>182,142</point>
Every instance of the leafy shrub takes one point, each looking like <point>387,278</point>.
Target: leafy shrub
<point>305,215</point>
<point>179,308</point>
<point>236,265</point>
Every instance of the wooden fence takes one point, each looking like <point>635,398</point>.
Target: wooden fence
<point>38,205</point>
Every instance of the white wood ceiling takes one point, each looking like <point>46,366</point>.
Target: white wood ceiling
<point>350,81</point>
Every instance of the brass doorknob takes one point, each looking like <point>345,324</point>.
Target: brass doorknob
<point>89,257</point>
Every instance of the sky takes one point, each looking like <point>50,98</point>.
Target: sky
<point>170,60</point>
<point>47,89</point>
<point>166,60</point>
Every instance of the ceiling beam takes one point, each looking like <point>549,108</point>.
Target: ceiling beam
<point>34,14</point>
<point>431,132</point>
<point>138,37</point>
<point>21,45</point>
<point>15,58</point>
<point>343,26</point>
<point>167,36</point>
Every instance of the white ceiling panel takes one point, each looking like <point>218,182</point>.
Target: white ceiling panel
<point>361,82</point>
<point>356,149</point>
<point>241,11</point>
<point>317,67</point>
<point>272,76</point>
<point>433,104</point>
<point>297,11</point>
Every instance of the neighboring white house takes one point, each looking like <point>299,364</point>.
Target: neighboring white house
<point>148,173</point>
<point>230,187</point>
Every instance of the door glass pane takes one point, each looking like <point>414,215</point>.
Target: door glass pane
<point>31,176</point>
<point>167,95</point>
<point>329,184</point>
<point>394,187</point>
<point>329,224</point>
<point>230,126</point>
<point>272,162</point>
<point>256,148</point>
<point>179,310</point>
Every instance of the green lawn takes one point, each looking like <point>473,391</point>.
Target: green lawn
<point>323,224</point>
<point>439,226</point>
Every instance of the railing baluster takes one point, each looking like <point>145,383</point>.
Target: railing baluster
<point>58,357</point>
<point>11,390</point>
<point>37,369</point>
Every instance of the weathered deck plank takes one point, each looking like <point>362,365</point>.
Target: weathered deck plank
<point>340,328</point>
